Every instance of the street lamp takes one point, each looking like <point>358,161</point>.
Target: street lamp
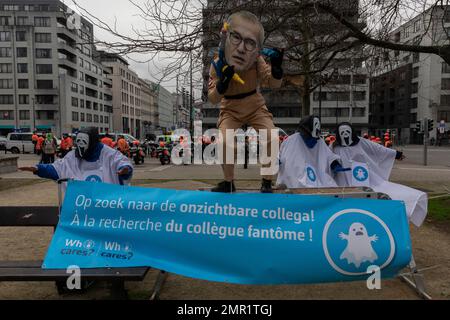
<point>34,117</point>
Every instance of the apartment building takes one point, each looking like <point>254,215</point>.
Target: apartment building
<point>49,80</point>
<point>409,86</point>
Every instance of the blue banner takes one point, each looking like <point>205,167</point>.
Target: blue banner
<point>246,238</point>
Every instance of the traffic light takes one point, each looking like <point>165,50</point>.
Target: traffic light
<point>418,127</point>
<point>430,125</point>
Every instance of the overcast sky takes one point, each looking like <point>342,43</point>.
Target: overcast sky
<point>126,14</point>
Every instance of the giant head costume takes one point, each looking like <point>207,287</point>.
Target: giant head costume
<point>345,135</point>
<point>310,127</point>
<point>86,142</point>
<point>244,40</point>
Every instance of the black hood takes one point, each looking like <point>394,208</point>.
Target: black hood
<point>84,148</point>
<point>306,127</point>
<point>352,140</point>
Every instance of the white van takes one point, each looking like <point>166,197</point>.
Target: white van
<point>17,142</point>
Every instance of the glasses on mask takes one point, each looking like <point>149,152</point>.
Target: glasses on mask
<point>249,44</point>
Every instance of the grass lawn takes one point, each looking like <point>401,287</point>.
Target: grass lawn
<point>439,209</point>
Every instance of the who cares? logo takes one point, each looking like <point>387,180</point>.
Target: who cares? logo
<point>355,239</point>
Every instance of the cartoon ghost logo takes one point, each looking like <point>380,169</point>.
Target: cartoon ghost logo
<point>360,174</point>
<point>359,245</point>
<point>311,174</point>
<point>94,178</point>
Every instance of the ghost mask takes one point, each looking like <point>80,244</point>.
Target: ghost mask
<point>82,143</point>
<point>310,127</point>
<point>315,133</point>
<point>86,142</point>
<point>345,133</point>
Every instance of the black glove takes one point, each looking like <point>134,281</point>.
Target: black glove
<point>225,78</point>
<point>276,61</point>
<point>399,155</point>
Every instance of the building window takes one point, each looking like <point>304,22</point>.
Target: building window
<point>6,99</point>
<point>74,102</point>
<point>21,36</point>
<point>416,57</point>
<point>95,118</point>
<point>21,21</point>
<point>417,26</point>
<point>359,95</point>
<point>445,84</point>
<point>81,89</point>
<point>415,72</point>
<point>414,87</point>
<point>81,103</point>
<point>444,115</point>
<point>6,83</point>
<point>50,115</point>
<point>42,22</point>
<point>82,117</point>
<point>445,68</point>
<point>81,76</point>
<point>24,99</point>
<point>22,68</point>
<point>44,68</point>
<point>21,52</point>
<point>22,83</point>
<point>5,68</point>
<point>88,117</point>
<point>43,37</point>
<point>74,116</point>
<point>24,114</point>
<point>4,21</point>
<point>445,100</point>
<point>74,87</point>
<point>5,36</point>
<point>6,115</point>
<point>5,52</point>
<point>43,53</point>
<point>44,84</point>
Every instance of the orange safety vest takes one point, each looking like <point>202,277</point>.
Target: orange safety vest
<point>122,145</point>
<point>40,141</point>
<point>107,141</point>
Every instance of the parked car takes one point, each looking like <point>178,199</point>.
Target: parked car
<point>2,143</point>
<point>17,142</point>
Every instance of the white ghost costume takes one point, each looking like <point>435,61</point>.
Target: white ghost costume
<point>359,245</point>
<point>379,161</point>
<point>303,167</point>
<point>103,170</point>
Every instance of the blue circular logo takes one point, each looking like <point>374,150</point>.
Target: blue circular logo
<point>360,173</point>
<point>354,239</point>
<point>311,174</point>
<point>94,178</point>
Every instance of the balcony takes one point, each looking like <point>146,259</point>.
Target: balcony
<point>66,34</point>
<point>46,106</point>
<point>47,91</point>
<point>67,49</point>
<point>66,63</point>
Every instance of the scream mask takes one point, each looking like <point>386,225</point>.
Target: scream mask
<point>310,127</point>
<point>345,136</point>
<point>85,142</point>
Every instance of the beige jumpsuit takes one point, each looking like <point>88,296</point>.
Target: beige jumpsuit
<point>251,110</point>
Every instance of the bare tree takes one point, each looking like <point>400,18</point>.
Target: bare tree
<point>315,33</point>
